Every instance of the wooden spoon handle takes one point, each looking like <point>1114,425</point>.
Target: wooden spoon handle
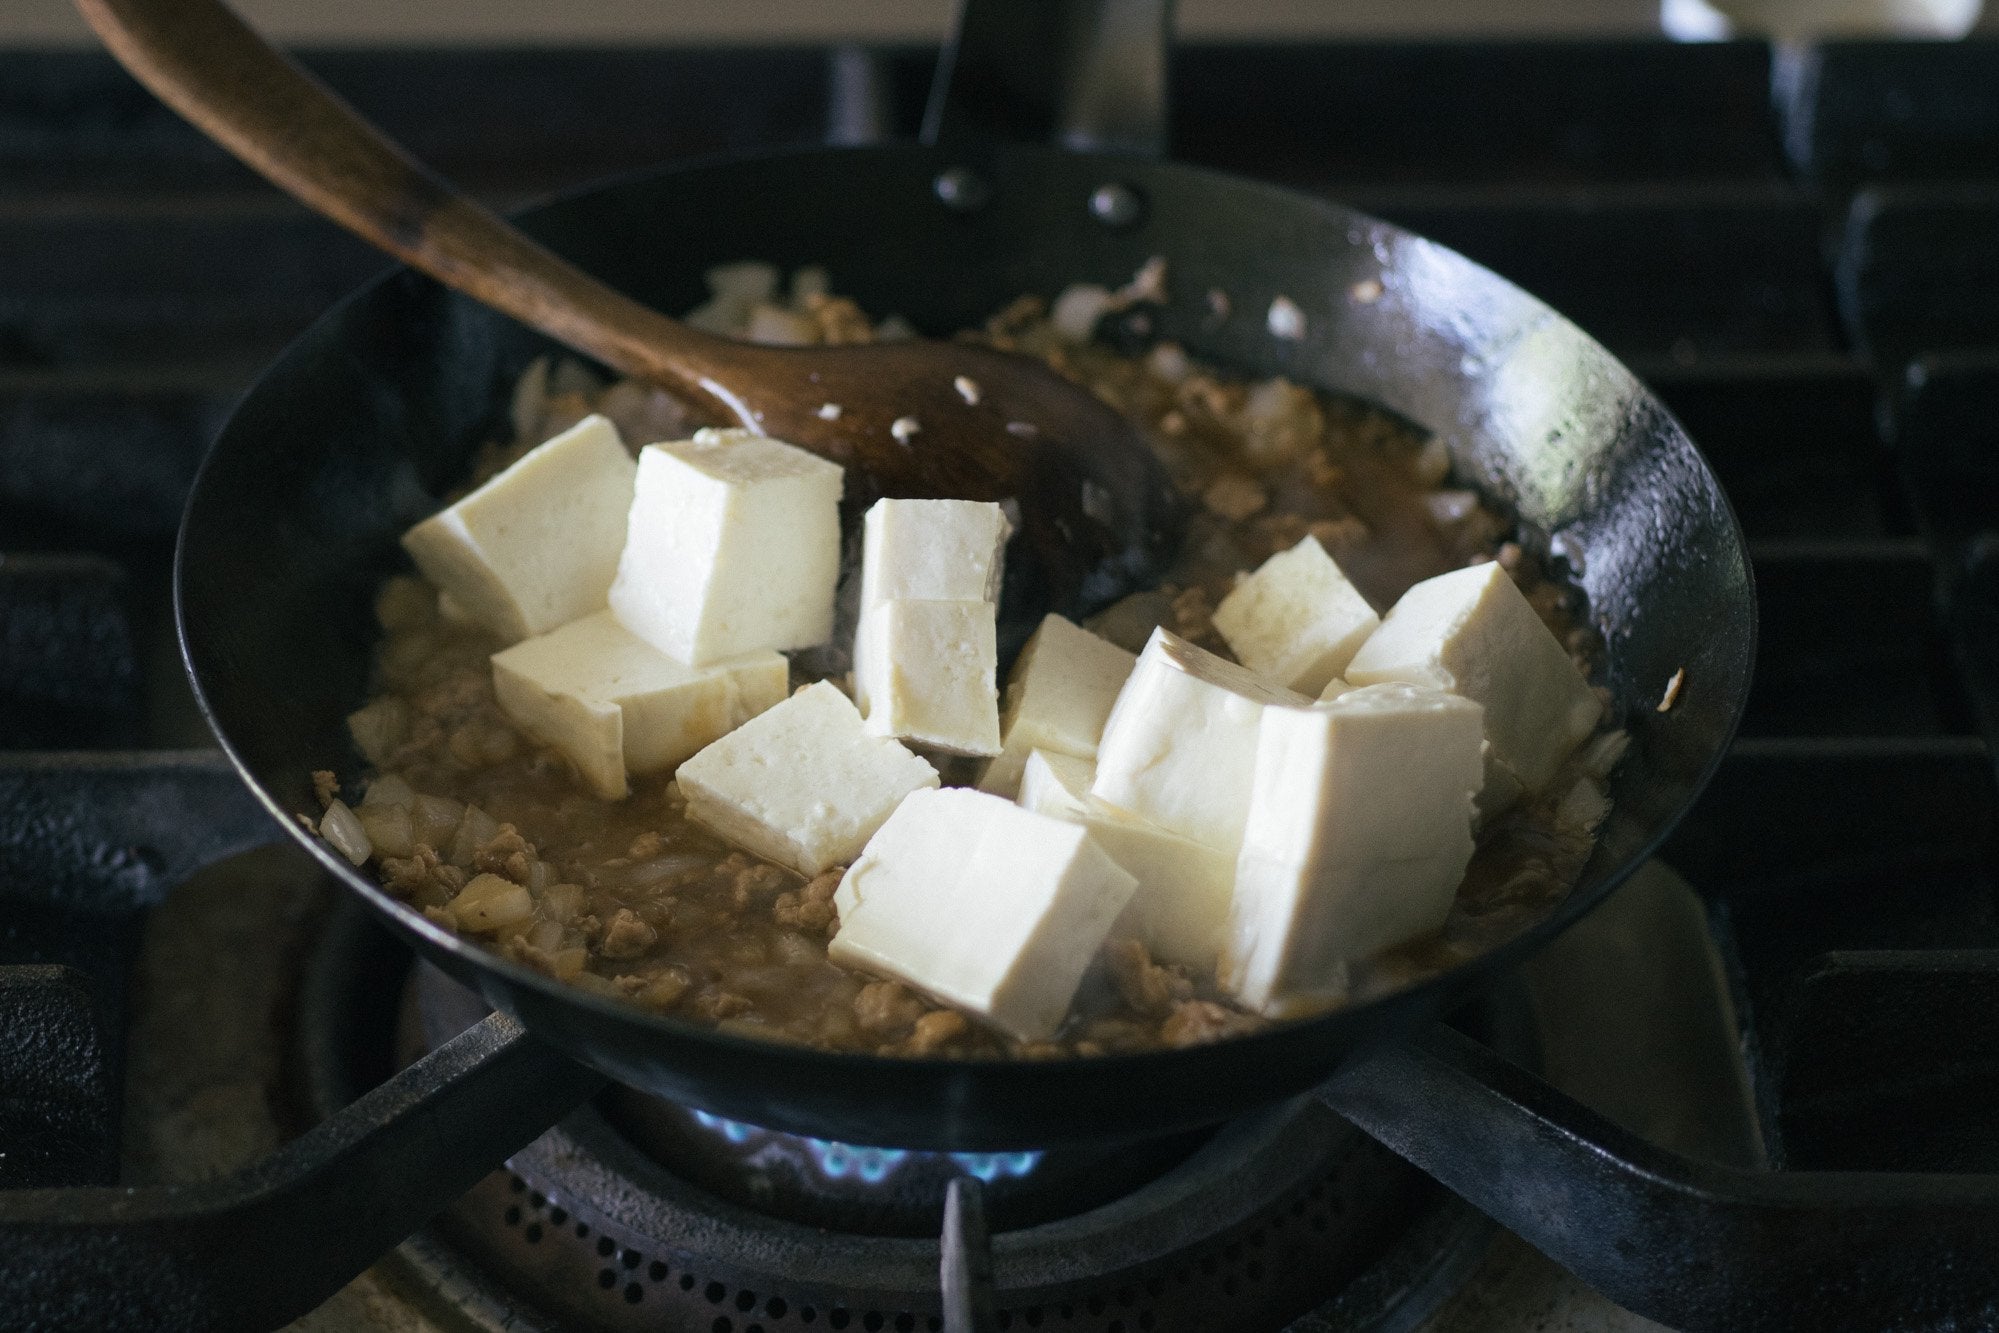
<point>205,62</point>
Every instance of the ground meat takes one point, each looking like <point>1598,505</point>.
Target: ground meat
<point>506,853</point>
<point>479,745</point>
<point>838,320</point>
<point>1321,471</point>
<point>935,1031</point>
<point>1281,532</point>
<point>458,693</point>
<point>627,936</point>
<point>423,877</point>
<point>750,879</point>
<point>1339,534</point>
<point>714,1004</point>
<point>1193,614</point>
<point>887,1007</point>
<point>1145,985</point>
<point>1234,497</point>
<point>1193,1022</point>
<point>810,908</point>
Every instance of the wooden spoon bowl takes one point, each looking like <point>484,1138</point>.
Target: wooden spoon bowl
<point>1098,516</point>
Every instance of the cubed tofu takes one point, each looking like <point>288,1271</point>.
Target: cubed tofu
<point>940,838</point>
<point>928,674</point>
<point>1472,632</point>
<point>618,707</point>
<point>1180,909</point>
<point>537,546</point>
<point>1358,834</point>
<point>1179,749</point>
<point>1057,699</point>
<point>733,546</point>
<point>1296,620</point>
<point>983,906</point>
<point>1500,789</point>
<point>931,551</point>
<point>802,784</point>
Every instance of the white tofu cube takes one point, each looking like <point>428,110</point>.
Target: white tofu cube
<point>1180,908</point>
<point>1293,960</point>
<point>733,546</point>
<point>940,838</point>
<point>1297,619</point>
<point>1058,699</point>
<point>618,707</point>
<point>1358,834</point>
<point>536,546</point>
<point>928,674</point>
<point>931,551</point>
<point>931,677</point>
<point>1500,790</point>
<point>983,906</point>
<point>1179,749</point>
<point>1472,632</point>
<point>803,784</point>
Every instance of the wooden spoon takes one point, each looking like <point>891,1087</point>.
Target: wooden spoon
<point>915,418</point>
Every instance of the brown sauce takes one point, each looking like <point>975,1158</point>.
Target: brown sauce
<point>629,899</point>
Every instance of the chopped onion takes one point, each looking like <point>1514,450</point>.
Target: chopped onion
<point>1168,361</point>
<point>1077,310</point>
<point>340,827</point>
<point>388,828</point>
<point>777,327</point>
<point>1432,463</point>
<point>378,728</point>
<point>434,819</point>
<point>530,397</point>
<point>490,902</point>
<point>475,830</point>
<point>388,790</point>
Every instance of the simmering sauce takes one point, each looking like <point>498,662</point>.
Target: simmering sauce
<point>629,899</point>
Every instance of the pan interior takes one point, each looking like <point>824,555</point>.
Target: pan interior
<point>349,438</point>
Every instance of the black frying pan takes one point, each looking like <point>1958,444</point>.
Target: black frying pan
<point>374,413</point>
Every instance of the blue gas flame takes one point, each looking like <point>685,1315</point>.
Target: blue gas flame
<point>991,1166</point>
<point>872,1166</point>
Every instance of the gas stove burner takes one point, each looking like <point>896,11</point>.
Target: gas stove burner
<point>876,1190</point>
<point>846,1161</point>
<point>636,1214</point>
<point>1267,1219</point>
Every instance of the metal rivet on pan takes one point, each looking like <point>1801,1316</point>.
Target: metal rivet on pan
<point>961,189</point>
<point>1117,205</point>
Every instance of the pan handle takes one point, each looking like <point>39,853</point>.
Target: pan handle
<point>1691,1244</point>
<point>1087,74</point>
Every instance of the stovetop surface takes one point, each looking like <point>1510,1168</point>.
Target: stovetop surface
<point>1796,248</point>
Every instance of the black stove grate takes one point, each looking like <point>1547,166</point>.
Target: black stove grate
<point>1800,252</point>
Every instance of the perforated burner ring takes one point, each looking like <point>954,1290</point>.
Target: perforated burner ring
<point>1274,1215</point>
<point>1280,1214</point>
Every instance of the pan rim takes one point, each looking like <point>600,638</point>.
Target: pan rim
<point>1431,996</point>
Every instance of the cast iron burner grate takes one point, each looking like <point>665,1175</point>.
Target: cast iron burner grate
<point>630,1266</point>
<point>1248,1226</point>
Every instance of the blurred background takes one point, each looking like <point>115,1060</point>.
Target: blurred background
<point>685,21</point>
